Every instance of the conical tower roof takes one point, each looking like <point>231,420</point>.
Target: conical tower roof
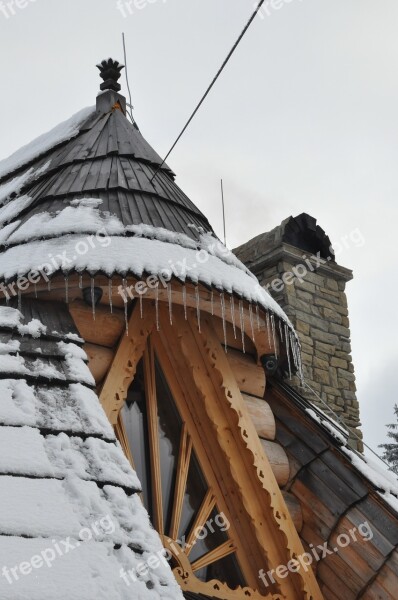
<point>93,197</point>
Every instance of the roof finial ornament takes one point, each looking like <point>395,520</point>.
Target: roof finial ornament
<point>110,71</point>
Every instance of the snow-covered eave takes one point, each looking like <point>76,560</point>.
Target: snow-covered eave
<point>382,481</point>
<point>140,257</point>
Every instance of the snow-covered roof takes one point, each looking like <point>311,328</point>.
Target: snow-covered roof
<point>94,177</point>
<point>383,479</point>
<point>69,500</point>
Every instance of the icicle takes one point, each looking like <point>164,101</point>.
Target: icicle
<point>49,285</point>
<point>212,303</point>
<point>197,296</point>
<point>92,297</point>
<point>110,293</point>
<point>126,321</point>
<point>268,327</point>
<point>293,347</point>
<point>81,281</point>
<point>301,373</point>
<point>67,289</point>
<point>170,299</point>
<point>274,335</point>
<point>288,351</point>
<point>251,321</point>
<point>224,327</point>
<point>35,290</point>
<point>19,300</point>
<point>233,314</point>
<point>258,318</point>
<point>184,300</point>
<point>157,308</point>
<point>141,307</point>
<point>242,325</point>
<point>280,330</point>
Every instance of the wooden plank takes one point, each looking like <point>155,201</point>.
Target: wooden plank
<point>278,460</point>
<point>208,504</point>
<point>227,548</point>
<point>262,416</point>
<point>99,360</point>
<point>249,376</point>
<point>214,467</point>
<point>184,458</point>
<point>105,330</point>
<point>124,366</point>
<point>252,473</point>
<point>295,510</point>
<point>153,432</point>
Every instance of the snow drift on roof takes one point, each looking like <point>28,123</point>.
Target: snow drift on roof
<point>42,144</point>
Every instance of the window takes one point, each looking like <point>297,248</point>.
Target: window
<point>175,492</point>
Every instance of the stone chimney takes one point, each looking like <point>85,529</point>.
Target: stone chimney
<point>296,263</point>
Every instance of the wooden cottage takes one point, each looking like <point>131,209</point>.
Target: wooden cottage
<point>149,445</point>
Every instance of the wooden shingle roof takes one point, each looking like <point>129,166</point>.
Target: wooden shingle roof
<point>63,476</point>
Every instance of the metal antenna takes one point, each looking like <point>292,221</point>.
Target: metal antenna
<point>223,212</point>
<point>130,112</point>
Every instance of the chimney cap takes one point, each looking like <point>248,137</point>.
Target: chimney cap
<point>110,71</point>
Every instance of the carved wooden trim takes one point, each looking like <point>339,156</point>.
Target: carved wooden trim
<point>237,438</point>
<point>131,349</point>
<point>153,430</point>
<point>214,589</point>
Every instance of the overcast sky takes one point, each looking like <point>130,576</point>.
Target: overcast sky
<point>305,118</point>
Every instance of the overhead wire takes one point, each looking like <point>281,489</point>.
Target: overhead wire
<point>221,69</point>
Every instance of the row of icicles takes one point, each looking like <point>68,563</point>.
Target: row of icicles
<point>272,323</point>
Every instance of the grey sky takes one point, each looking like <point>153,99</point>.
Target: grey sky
<point>304,119</point>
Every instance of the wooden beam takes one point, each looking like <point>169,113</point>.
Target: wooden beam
<point>184,458</point>
<point>295,509</point>
<point>99,360</point>
<point>214,467</point>
<point>153,431</point>
<point>126,359</point>
<point>249,375</point>
<point>210,303</point>
<point>104,330</point>
<point>278,460</point>
<point>218,553</point>
<point>262,416</point>
<point>238,440</point>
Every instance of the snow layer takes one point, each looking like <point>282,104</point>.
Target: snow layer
<point>330,425</point>
<point>80,219</point>
<point>90,571</point>
<point>91,459</point>
<point>42,144</point>
<point>138,256</point>
<point>12,318</point>
<point>74,409</point>
<point>376,473</point>
<point>22,452</point>
<point>36,507</point>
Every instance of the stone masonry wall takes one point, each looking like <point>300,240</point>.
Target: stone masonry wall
<point>316,303</point>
